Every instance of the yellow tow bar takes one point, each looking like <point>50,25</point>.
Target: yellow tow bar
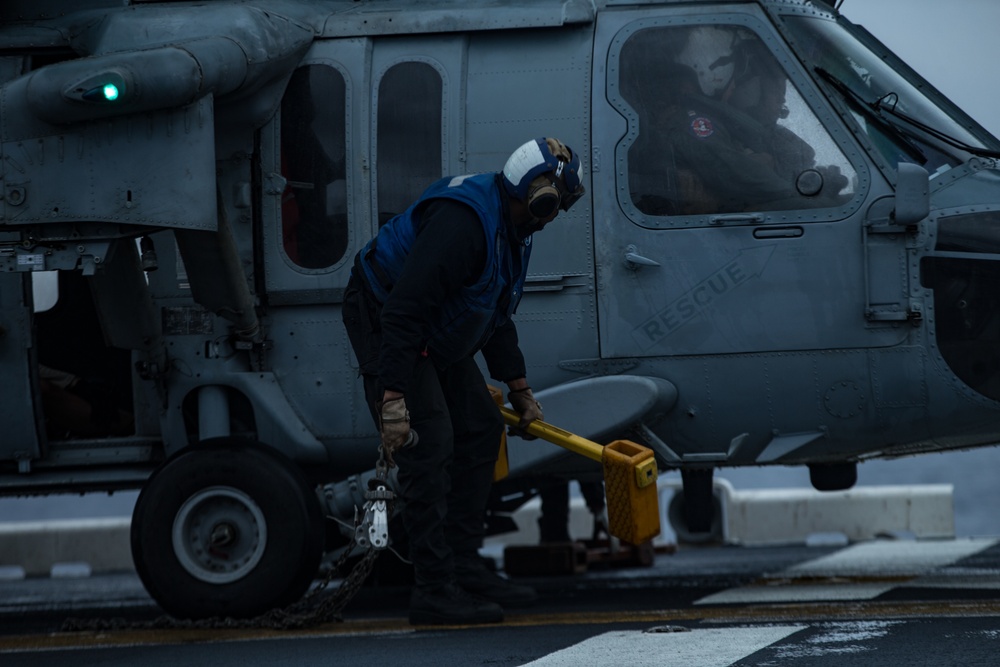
<point>629,478</point>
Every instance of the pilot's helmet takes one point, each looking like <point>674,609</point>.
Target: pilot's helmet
<point>710,52</point>
<point>536,165</point>
<point>760,88</point>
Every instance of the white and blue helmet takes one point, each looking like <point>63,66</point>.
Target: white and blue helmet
<point>540,166</point>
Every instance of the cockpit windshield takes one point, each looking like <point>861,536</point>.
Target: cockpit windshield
<point>902,121</point>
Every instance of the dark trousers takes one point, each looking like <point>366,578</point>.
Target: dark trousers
<point>553,524</point>
<point>445,479</point>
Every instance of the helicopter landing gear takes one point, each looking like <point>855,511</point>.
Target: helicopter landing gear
<point>695,513</point>
<point>833,476</point>
<point>227,528</point>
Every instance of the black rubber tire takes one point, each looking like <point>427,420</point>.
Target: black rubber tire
<point>833,476</point>
<point>677,515</point>
<point>699,498</point>
<point>229,482</point>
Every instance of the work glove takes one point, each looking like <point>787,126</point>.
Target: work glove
<point>833,181</point>
<point>524,404</point>
<point>395,422</point>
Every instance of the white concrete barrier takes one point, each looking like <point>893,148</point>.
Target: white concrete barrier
<point>786,516</point>
<point>66,547</point>
<point>757,517</point>
<point>581,524</point>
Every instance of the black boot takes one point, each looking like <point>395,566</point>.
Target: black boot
<point>472,575</point>
<point>449,604</point>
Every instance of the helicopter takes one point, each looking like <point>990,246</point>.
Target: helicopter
<point>786,254</point>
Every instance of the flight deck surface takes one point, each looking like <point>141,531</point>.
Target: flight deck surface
<point>886,602</point>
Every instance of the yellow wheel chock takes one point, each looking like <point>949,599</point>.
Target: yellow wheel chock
<point>629,477</point>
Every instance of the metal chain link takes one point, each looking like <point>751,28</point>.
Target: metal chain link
<point>307,612</point>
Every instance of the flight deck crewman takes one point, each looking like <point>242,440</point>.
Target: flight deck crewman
<point>437,285</point>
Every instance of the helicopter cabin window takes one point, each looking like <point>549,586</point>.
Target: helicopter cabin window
<point>313,163</point>
<point>409,135</point>
<point>715,126</point>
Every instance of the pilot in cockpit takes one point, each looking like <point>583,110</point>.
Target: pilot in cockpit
<point>721,131</point>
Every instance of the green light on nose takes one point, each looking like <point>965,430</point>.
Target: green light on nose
<point>107,87</point>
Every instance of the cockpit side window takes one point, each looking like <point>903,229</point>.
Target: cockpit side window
<point>313,163</point>
<point>409,135</point>
<point>905,118</point>
<point>717,127</point>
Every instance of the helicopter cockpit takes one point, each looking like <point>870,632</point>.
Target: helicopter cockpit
<point>721,128</point>
<point>907,121</point>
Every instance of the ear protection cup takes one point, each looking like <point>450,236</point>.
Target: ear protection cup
<point>543,197</point>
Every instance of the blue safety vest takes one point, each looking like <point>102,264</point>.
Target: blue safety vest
<point>469,317</point>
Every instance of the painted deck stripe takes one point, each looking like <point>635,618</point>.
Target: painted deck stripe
<point>713,647</point>
<point>889,558</point>
<point>798,593</point>
<point>897,563</point>
<point>788,614</point>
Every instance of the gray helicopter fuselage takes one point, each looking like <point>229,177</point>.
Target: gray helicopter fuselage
<point>760,312</point>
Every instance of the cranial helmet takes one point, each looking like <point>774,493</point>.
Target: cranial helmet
<point>710,52</point>
<point>533,172</point>
<point>760,76</point>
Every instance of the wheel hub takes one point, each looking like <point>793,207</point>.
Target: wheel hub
<point>223,535</point>
<point>219,535</point>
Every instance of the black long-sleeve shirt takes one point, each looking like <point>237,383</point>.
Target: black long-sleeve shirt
<point>449,252</point>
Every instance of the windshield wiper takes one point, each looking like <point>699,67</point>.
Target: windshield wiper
<point>873,110</point>
<point>933,131</point>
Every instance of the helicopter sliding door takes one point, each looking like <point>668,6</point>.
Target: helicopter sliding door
<point>363,129</point>
<point>307,185</point>
<point>732,222</point>
<point>20,442</point>
<point>365,125</point>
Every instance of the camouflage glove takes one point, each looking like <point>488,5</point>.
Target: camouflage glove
<point>524,403</point>
<point>395,421</point>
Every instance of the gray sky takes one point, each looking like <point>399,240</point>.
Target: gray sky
<point>950,42</point>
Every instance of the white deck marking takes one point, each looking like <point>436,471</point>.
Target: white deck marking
<point>889,558</point>
<point>713,647</point>
<point>766,594</point>
<point>871,560</point>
